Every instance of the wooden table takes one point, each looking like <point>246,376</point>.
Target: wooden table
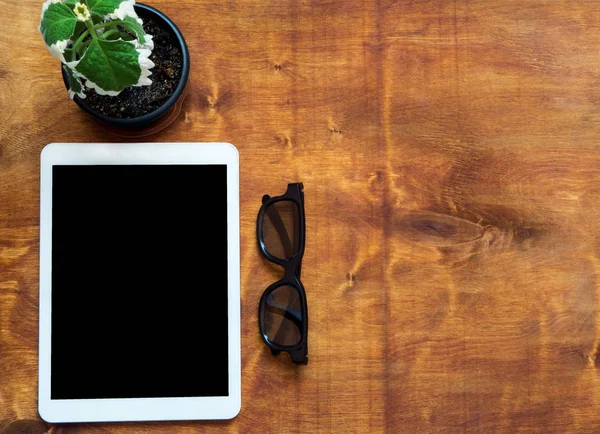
<point>451,161</point>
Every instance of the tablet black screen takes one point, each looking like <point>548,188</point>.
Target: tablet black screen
<point>139,281</point>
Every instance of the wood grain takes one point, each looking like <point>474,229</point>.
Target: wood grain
<point>451,162</point>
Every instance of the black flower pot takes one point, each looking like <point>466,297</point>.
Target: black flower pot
<point>162,116</point>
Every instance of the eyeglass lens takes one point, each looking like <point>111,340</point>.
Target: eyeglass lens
<point>283,316</point>
<point>281,229</point>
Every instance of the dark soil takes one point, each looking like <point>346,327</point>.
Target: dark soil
<point>138,101</point>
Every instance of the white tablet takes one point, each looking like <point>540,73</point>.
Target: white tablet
<point>139,282</point>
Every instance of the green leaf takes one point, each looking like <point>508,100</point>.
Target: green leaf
<point>112,65</point>
<point>58,23</point>
<point>132,25</point>
<point>75,86</point>
<point>103,7</point>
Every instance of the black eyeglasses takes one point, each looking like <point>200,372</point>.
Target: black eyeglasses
<point>283,312</point>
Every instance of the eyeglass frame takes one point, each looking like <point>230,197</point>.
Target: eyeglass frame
<point>292,271</point>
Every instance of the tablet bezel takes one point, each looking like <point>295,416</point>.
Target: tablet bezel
<point>139,409</point>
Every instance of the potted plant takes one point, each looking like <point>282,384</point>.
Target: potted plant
<point>125,64</point>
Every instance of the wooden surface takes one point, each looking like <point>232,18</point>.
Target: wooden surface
<point>451,162</point>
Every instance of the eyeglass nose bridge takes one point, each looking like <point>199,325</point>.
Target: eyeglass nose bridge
<point>292,270</point>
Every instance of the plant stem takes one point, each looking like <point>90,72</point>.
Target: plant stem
<point>108,24</point>
<point>90,26</point>
<point>85,44</point>
<point>110,32</point>
<point>77,42</point>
